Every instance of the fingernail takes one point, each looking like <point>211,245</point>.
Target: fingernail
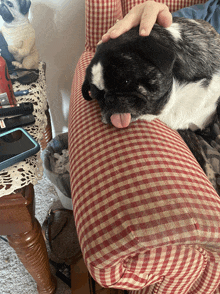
<point>143,32</point>
<point>105,38</point>
<point>113,33</point>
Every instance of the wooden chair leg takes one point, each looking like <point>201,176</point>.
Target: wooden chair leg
<point>31,250</point>
<point>79,278</point>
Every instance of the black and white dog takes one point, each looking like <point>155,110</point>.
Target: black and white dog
<point>172,75</point>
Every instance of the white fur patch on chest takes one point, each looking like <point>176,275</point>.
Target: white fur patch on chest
<point>97,76</point>
<point>190,105</point>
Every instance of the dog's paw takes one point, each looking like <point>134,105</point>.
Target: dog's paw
<point>17,64</point>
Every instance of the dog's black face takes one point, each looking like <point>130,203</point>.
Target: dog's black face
<point>129,76</point>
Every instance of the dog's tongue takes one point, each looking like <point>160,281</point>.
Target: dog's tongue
<point>121,120</point>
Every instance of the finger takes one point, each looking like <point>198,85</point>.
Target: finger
<point>147,22</point>
<point>106,36</point>
<point>125,25</point>
<point>118,29</point>
<point>132,19</point>
<point>165,18</point>
<point>154,12</point>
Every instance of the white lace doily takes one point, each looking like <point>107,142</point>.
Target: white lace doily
<point>31,169</point>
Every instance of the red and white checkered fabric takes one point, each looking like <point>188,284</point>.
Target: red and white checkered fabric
<point>100,16</point>
<point>172,4</point>
<point>147,217</point>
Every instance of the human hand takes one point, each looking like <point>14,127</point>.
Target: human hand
<point>145,14</point>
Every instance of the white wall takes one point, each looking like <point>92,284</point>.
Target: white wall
<point>60,38</point>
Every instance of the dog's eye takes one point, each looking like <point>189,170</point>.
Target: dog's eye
<point>10,4</point>
<point>127,82</point>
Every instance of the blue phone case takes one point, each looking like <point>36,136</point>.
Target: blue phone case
<point>19,157</point>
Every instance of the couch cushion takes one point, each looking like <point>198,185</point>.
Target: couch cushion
<point>172,4</point>
<point>134,190</point>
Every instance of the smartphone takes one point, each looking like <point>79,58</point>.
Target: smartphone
<point>16,145</point>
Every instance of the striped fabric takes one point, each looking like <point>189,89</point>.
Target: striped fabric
<point>147,217</point>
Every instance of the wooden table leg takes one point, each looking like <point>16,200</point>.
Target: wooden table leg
<point>18,219</point>
<point>31,250</point>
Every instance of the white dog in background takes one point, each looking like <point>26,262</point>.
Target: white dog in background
<point>19,33</point>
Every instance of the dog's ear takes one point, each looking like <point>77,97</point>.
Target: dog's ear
<point>24,6</point>
<point>151,49</point>
<point>86,89</point>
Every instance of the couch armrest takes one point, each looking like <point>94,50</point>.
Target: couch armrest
<point>139,198</point>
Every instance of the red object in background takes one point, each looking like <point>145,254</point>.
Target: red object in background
<point>6,90</point>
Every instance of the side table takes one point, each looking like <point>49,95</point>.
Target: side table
<point>18,222</point>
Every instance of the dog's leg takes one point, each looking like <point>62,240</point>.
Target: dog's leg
<point>31,61</point>
<point>194,145</point>
<point>26,48</point>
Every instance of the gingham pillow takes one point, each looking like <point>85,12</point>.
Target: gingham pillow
<point>137,190</point>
